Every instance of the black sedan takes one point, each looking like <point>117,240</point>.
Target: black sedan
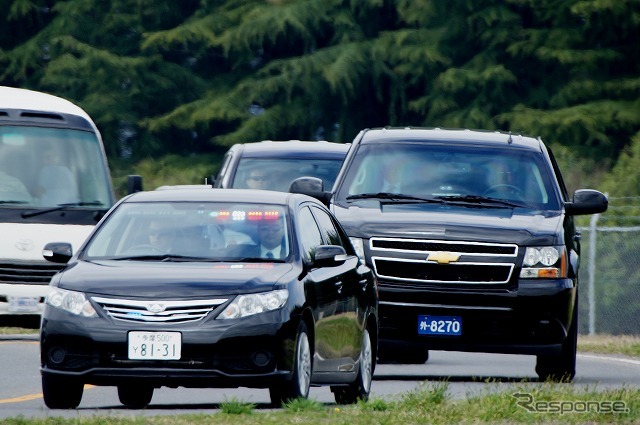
<point>210,288</point>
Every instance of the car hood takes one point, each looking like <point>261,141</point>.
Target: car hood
<point>499,225</point>
<point>169,280</point>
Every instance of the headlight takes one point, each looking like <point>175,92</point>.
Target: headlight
<point>70,301</point>
<point>546,262</point>
<point>250,304</point>
<point>358,245</point>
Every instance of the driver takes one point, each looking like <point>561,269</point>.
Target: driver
<point>161,235</point>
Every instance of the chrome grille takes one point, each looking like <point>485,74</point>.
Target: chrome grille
<point>450,246</point>
<point>405,260</point>
<point>158,311</point>
<point>28,273</point>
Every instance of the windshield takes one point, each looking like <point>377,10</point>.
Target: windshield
<point>449,172</point>
<point>47,167</point>
<point>277,174</point>
<point>166,231</point>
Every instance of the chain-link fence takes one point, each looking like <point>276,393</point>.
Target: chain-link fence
<point>609,295</point>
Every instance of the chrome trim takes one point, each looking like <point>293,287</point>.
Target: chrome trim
<point>447,242</point>
<point>457,307</point>
<point>459,263</point>
<point>172,311</point>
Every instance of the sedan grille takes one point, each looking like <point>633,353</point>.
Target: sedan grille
<point>154,311</point>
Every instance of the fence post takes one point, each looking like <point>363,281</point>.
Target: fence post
<point>592,274</point>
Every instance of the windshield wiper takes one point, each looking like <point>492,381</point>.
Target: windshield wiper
<point>166,258</point>
<point>479,200</point>
<point>61,207</point>
<point>13,202</point>
<point>395,197</point>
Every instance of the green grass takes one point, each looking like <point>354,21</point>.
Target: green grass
<point>534,404</point>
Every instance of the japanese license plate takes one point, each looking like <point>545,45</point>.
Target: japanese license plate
<point>439,325</point>
<point>155,345</point>
<point>23,304</point>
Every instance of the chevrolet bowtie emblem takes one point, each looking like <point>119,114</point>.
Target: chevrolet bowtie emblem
<point>443,257</point>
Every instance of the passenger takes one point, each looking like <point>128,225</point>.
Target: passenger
<point>56,184</point>
<point>13,190</point>
<point>271,243</point>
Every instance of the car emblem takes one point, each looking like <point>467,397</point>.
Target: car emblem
<point>156,308</point>
<point>24,244</point>
<point>443,257</point>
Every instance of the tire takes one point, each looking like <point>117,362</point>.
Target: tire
<point>61,393</point>
<point>135,396</point>
<point>561,367</point>
<point>361,387</point>
<point>301,380</point>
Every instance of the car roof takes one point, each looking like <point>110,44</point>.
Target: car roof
<point>29,100</point>
<point>279,149</point>
<point>216,195</point>
<point>462,136</point>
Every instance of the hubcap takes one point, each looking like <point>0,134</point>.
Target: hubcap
<point>304,365</point>
<point>366,362</point>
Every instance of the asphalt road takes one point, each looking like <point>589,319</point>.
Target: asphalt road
<point>467,373</point>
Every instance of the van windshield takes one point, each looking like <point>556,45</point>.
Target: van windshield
<point>47,167</point>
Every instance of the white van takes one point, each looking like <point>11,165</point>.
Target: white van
<point>54,186</point>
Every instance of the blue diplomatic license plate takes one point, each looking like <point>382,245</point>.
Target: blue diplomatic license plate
<point>439,325</point>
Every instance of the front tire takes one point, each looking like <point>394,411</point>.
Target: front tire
<point>135,396</point>
<point>61,393</point>
<point>561,367</point>
<point>301,379</point>
<point>361,387</point>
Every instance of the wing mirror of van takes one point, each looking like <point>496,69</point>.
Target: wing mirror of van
<point>134,184</point>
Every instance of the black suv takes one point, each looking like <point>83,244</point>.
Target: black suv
<point>274,165</point>
<point>471,235</point>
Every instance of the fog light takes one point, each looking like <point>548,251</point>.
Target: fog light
<point>57,355</point>
<point>261,358</point>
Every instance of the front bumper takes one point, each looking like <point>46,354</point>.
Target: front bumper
<point>533,319</point>
<point>254,351</point>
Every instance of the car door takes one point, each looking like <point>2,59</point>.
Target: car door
<point>346,323</point>
<point>322,292</point>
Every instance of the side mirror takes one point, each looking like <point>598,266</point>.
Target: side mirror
<point>329,255</point>
<point>311,186</point>
<point>587,201</point>
<point>134,184</point>
<point>57,252</point>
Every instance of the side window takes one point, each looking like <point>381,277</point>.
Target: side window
<point>330,232</point>
<point>310,236</point>
<point>223,168</point>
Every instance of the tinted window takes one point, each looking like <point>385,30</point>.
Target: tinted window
<point>310,236</point>
<point>278,173</point>
<point>328,228</point>
<point>434,170</point>
<point>209,230</point>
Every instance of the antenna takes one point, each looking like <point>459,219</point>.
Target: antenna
<point>510,141</point>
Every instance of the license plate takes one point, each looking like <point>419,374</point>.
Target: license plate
<point>155,345</point>
<point>23,304</point>
<point>439,325</point>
